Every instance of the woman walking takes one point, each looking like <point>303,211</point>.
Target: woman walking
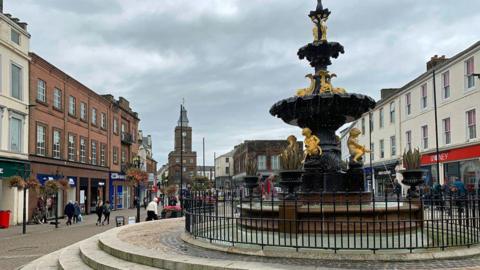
<point>106,213</point>
<point>99,211</point>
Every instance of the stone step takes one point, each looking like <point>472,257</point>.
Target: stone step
<point>70,259</point>
<point>47,262</point>
<point>98,259</point>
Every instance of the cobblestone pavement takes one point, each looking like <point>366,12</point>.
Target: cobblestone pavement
<point>17,249</point>
<point>169,239</point>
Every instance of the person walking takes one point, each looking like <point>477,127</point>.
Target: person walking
<point>106,213</point>
<point>99,211</point>
<point>69,211</point>
<point>145,202</point>
<point>76,213</point>
<point>152,210</point>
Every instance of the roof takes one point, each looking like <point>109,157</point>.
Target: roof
<point>183,119</point>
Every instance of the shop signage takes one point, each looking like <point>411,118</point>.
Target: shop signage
<point>384,172</point>
<point>452,155</point>
<point>117,176</point>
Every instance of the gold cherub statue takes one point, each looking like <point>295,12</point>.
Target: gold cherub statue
<point>326,83</point>
<point>357,151</point>
<point>309,90</point>
<point>312,147</point>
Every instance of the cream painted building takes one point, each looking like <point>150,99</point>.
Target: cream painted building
<point>14,108</point>
<point>405,118</point>
<point>224,170</point>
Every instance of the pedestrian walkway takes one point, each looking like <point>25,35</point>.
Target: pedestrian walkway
<point>17,249</point>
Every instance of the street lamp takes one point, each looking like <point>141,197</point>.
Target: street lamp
<point>24,173</point>
<point>137,164</point>
<point>58,175</point>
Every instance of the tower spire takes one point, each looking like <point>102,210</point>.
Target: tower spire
<point>183,119</point>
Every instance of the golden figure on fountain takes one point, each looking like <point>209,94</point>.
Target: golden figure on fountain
<point>357,151</point>
<point>312,143</point>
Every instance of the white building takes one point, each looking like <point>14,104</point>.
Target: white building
<point>224,170</point>
<point>14,107</point>
<point>405,118</point>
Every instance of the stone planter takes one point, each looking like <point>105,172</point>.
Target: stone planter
<point>291,180</point>
<point>251,182</point>
<point>412,178</point>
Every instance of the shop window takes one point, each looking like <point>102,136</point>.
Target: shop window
<point>452,172</point>
<point>447,137</point>
<point>470,172</point>
<point>471,125</point>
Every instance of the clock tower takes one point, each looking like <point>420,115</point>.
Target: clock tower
<point>182,152</point>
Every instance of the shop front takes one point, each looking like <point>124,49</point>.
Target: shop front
<point>12,198</point>
<point>385,175</point>
<point>460,163</point>
<point>119,191</point>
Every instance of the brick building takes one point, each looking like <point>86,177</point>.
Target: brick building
<point>78,135</point>
<point>183,133</point>
<point>266,152</point>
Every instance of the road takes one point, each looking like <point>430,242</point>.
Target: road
<point>17,249</point>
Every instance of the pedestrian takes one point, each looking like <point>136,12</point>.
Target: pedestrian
<point>106,213</point>
<point>76,213</point>
<point>145,202</point>
<point>135,202</point>
<point>152,210</point>
<point>99,211</point>
<point>69,211</point>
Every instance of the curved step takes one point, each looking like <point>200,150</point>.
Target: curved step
<point>70,259</point>
<point>98,259</point>
<point>47,262</point>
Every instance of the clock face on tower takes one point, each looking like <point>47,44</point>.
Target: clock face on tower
<point>184,134</point>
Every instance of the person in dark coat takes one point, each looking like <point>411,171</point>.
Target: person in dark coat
<point>99,211</point>
<point>76,213</point>
<point>106,213</point>
<point>69,211</point>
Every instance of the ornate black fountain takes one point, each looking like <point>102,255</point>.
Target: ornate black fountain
<point>323,109</point>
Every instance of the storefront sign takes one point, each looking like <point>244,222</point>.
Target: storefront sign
<point>117,176</point>
<point>452,155</point>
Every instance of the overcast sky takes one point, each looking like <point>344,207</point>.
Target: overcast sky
<point>232,59</point>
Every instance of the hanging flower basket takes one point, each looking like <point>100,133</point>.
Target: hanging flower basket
<point>51,187</point>
<point>136,177</point>
<point>63,184</point>
<point>16,181</point>
<point>33,183</point>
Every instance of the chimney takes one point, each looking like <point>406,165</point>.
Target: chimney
<point>388,92</point>
<point>435,60</point>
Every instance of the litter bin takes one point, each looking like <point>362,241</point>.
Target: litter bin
<point>4,219</point>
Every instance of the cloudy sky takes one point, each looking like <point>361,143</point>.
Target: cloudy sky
<point>232,59</point>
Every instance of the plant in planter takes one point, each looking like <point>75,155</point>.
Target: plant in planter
<point>412,175</point>
<point>291,161</point>
<point>136,177</point>
<point>251,178</point>
<point>16,181</point>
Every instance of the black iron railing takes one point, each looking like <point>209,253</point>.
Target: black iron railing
<point>335,221</point>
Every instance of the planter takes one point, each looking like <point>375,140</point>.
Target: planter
<point>291,180</point>
<point>251,182</point>
<point>412,178</point>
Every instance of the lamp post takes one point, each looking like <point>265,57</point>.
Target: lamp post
<point>58,175</point>
<point>24,173</point>
<point>137,164</point>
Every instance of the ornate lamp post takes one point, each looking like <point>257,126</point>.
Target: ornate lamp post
<point>58,175</point>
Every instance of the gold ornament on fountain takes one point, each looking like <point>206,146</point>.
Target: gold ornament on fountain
<point>312,143</point>
<point>291,157</point>
<point>323,28</point>
<point>357,151</point>
<point>309,90</point>
<point>326,83</point>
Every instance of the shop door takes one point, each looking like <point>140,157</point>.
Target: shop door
<point>119,197</point>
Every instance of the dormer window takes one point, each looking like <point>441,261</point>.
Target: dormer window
<point>15,37</point>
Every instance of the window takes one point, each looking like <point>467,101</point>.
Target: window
<point>425,137</point>
<point>227,159</point>
<point>57,98</point>
<point>102,154</point>
<point>446,131</point>
<point>275,160</point>
<point>381,118</point>
<point>94,116</point>
<point>115,155</point>
<point>41,88</point>
<point>227,170</point>
<point>15,36</point>
<point>72,151</point>
<point>469,70</point>
<point>471,125</point>
<point>93,152</point>
<point>124,129</point>
<point>372,151</point>
<point>363,125</point>
<point>115,125</point>
<point>16,134</point>
<point>446,85</point>
<point>71,106</point>
<point>408,136</point>
<point>393,146</point>
<point>424,99</point>
<point>382,149</point>
<point>408,103</point>
<point>392,112</point>
<point>56,144</point>
<point>177,160</point>
<point>41,138</point>
<point>16,82</point>
<point>83,111</point>
<point>124,156</point>
<point>83,150</point>
<point>103,121</point>
<point>262,162</point>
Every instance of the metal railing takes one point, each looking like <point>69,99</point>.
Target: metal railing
<point>337,221</point>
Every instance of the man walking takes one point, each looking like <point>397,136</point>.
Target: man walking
<point>69,211</point>
<point>152,210</point>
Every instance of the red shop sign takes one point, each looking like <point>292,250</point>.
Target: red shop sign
<point>452,155</point>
